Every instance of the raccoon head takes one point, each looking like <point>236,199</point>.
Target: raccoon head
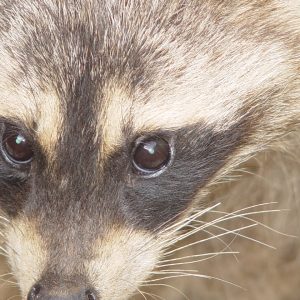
<point>115,117</point>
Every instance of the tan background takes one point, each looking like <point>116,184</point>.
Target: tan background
<point>7,292</point>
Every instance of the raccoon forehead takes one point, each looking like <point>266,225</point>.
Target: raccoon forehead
<point>214,93</point>
<point>168,80</point>
<point>215,96</point>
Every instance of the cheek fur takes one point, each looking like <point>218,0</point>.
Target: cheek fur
<point>27,252</point>
<point>121,262</point>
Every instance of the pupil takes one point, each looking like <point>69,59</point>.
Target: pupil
<point>152,154</point>
<point>16,147</point>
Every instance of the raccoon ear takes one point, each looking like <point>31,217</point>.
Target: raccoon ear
<point>151,155</point>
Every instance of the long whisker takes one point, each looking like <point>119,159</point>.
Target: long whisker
<point>181,237</point>
<point>6,274</point>
<point>182,223</point>
<point>245,217</point>
<point>184,274</point>
<point>8,281</point>
<point>15,296</point>
<point>209,256</point>
<point>226,217</point>
<point>153,296</point>
<point>169,286</point>
<point>235,231</point>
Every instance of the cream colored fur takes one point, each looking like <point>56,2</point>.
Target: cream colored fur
<point>254,175</point>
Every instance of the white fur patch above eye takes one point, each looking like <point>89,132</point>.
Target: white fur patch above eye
<point>115,113</point>
<point>49,122</point>
<point>212,92</point>
<point>22,99</point>
<point>41,109</point>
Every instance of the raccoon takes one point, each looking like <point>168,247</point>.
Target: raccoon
<point>140,138</point>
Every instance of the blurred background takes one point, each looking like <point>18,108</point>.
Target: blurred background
<point>8,291</point>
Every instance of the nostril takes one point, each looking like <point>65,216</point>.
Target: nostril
<point>39,292</point>
<point>34,292</point>
<point>90,295</point>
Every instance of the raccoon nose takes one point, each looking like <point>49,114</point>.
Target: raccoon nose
<point>39,293</point>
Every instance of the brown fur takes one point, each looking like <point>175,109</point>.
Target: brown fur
<point>226,72</point>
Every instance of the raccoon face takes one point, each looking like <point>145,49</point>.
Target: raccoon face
<point>115,116</point>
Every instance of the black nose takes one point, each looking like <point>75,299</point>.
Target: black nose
<point>38,292</point>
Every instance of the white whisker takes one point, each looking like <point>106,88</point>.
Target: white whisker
<point>235,231</point>
<point>184,274</point>
<point>182,223</point>
<point>169,286</point>
<point>246,217</point>
<point>209,256</point>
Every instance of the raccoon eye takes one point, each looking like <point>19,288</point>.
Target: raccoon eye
<point>15,146</point>
<point>151,155</point>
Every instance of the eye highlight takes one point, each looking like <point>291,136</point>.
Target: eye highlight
<point>151,155</point>
<point>15,147</point>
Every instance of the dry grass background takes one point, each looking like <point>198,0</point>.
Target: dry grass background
<point>6,291</point>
